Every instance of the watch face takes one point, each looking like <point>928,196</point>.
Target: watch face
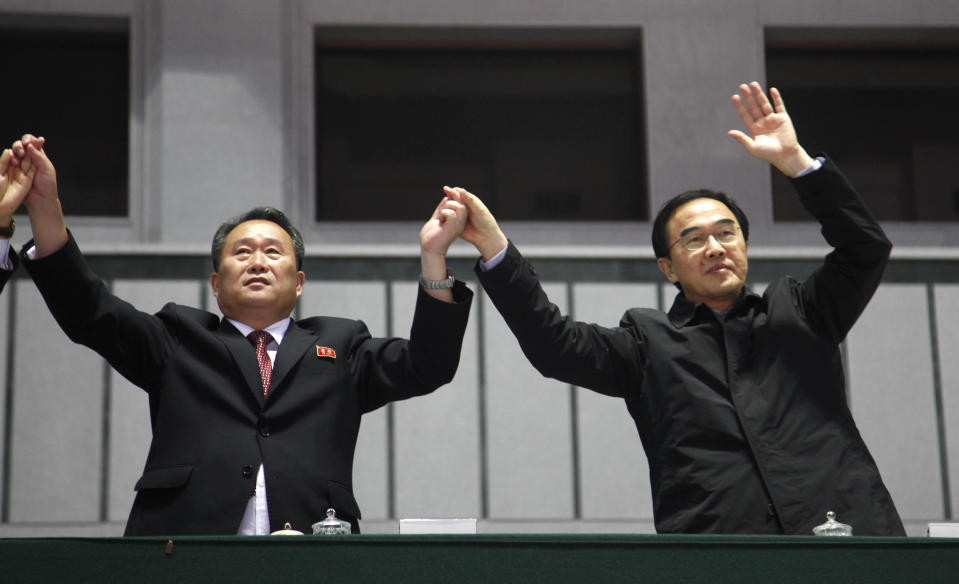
<point>437,284</point>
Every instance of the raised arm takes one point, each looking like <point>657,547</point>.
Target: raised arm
<point>771,137</point>
<point>835,295</point>
<point>438,233</point>
<point>591,356</point>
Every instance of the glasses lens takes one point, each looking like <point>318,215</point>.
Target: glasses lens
<point>694,242</point>
<point>697,241</point>
<point>727,235</point>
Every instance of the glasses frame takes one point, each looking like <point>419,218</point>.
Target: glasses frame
<point>737,230</point>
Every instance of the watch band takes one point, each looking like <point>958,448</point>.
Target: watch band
<point>437,284</point>
<point>6,231</point>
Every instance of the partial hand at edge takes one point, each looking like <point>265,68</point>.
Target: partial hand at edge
<point>15,182</point>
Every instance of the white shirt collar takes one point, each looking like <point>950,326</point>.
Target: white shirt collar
<point>276,330</point>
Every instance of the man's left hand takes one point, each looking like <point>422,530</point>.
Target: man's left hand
<point>771,134</point>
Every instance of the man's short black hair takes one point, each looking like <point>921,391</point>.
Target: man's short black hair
<point>264,214</point>
<point>660,233</point>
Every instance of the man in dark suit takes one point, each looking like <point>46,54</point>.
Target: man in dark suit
<point>739,399</point>
<point>15,181</point>
<point>248,434</point>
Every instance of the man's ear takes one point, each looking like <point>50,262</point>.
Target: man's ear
<point>666,267</point>
<point>300,278</point>
<point>215,284</point>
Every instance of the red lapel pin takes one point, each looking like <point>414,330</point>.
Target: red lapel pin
<point>325,352</point>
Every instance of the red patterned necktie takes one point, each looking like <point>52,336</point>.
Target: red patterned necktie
<point>262,339</point>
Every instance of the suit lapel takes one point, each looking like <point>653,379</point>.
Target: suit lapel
<point>296,341</point>
<point>244,355</point>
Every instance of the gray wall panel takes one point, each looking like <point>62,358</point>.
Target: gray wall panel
<point>130,432</point>
<point>359,300</point>
<point>614,473</point>
<point>221,94</point>
<point>57,420</point>
<point>856,12</point>
<point>5,300</point>
<point>947,318</point>
<point>437,435</point>
<point>528,424</point>
<point>371,484</point>
<point>892,398</point>
<point>612,12</point>
<point>688,101</point>
<point>364,301</point>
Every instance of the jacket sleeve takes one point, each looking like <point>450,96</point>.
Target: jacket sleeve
<point>606,360</point>
<point>391,369</point>
<point>5,274</point>
<point>834,296</point>
<point>135,343</point>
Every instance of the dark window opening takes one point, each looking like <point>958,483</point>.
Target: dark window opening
<point>881,103</point>
<point>68,79</point>
<point>541,130</point>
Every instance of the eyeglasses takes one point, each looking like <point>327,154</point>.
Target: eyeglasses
<point>697,240</point>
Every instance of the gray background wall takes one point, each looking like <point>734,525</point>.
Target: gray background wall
<point>222,120</point>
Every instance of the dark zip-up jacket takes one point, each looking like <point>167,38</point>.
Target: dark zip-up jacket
<point>743,416</point>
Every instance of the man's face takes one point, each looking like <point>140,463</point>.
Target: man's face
<point>715,274</point>
<point>257,282</point>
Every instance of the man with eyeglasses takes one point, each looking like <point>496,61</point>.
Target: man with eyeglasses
<point>739,399</point>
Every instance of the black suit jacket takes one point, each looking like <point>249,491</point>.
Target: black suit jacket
<point>5,274</point>
<point>212,427</point>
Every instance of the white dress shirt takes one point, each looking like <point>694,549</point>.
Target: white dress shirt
<point>5,263</point>
<point>256,518</point>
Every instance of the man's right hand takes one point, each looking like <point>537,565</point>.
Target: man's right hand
<point>29,149</point>
<point>42,201</point>
<point>16,178</point>
<point>481,228</point>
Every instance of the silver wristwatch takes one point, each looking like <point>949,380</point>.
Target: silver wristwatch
<point>437,284</point>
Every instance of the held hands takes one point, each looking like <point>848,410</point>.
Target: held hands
<point>41,200</point>
<point>772,136</point>
<point>15,182</point>
<point>442,228</point>
<point>481,228</point>
<point>28,151</point>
